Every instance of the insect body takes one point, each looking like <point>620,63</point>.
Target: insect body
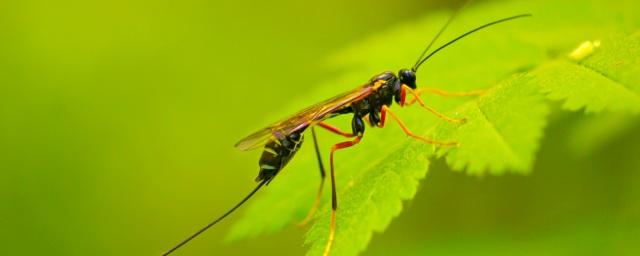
<point>367,103</point>
<point>277,154</point>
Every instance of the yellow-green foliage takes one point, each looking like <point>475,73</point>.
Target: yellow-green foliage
<point>523,65</point>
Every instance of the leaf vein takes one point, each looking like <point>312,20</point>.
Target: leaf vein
<point>509,149</point>
<point>620,84</point>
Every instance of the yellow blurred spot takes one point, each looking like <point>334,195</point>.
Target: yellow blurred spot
<point>584,50</point>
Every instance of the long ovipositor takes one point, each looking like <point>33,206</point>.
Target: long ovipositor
<point>369,102</point>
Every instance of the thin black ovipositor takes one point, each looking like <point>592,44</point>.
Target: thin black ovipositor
<point>369,102</point>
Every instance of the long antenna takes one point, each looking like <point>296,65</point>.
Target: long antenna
<point>217,220</point>
<point>455,13</point>
<point>469,33</point>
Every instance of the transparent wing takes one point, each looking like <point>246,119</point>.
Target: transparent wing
<point>304,118</point>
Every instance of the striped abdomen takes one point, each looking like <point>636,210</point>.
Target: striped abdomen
<point>276,155</point>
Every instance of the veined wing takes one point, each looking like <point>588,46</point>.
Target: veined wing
<point>304,118</point>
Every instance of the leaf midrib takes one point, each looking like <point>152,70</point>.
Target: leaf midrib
<point>607,77</point>
<point>501,138</point>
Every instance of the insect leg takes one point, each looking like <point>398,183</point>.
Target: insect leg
<point>450,94</point>
<point>314,208</point>
<point>420,91</point>
<point>334,197</point>
<point>433,111</point>
<point>409,133</point>
<point>335,130</point>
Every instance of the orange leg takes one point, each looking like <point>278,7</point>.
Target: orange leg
<point>420,91</point>
<point>334,197</point>
<point>316,203</point>
<point>409,133</point>
<point>416,96</point>
<point>335,130</point>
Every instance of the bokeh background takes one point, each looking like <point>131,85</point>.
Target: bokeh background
<point>118,119</point>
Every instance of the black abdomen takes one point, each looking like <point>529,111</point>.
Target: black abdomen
<point>277,153</point>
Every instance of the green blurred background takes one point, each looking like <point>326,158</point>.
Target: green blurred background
<point>118,119</point>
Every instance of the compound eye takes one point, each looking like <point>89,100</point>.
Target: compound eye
<point>408,77</point>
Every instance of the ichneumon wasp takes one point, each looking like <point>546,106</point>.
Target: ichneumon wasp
<point>369,102</point>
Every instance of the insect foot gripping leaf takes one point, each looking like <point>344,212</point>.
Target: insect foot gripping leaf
<point>507,122</point>
<point>505,125</point>
<point>536,62</point>
<point>373,200</point>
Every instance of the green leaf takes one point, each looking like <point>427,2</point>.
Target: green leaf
<point>606,80</point>
<point>503,130</point>
<point>372,198</point>
<point>504,125</point>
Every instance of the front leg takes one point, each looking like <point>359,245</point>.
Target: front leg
<point>420,91</point>
<point>421,102</point>
<point>409,133</point>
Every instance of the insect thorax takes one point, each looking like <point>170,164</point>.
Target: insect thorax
<point>384,95</point>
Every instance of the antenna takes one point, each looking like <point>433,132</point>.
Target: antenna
<point>217,220</point>
<point>455,13</point>
<point>469,33</point>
